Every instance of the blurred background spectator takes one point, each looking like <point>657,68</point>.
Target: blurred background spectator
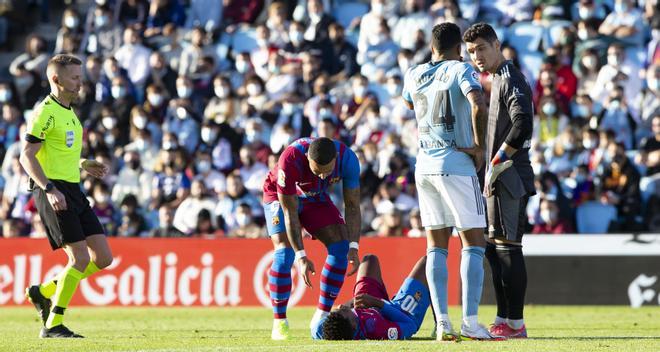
<point>191,102</point>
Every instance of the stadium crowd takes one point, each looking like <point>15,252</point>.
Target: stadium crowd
<point>191,102</point>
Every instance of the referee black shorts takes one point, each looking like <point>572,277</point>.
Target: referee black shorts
<point>507,208</point>
<point>72,225</point>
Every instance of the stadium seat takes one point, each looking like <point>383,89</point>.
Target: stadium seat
<point>649,186</point>
<point>346,12</point>
<point>595,217</point>
<point>244,39</point>
<point>526,37</point>
<point>532,63</point>
<point>553,30</point>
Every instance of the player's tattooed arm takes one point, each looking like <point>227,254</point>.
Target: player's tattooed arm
<point>291,221</point>
<point>479,122</point>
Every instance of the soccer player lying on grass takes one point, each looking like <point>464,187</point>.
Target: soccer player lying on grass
<point>370,315</point>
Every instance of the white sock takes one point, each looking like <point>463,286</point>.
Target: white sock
<point>499,320</point>
<point>278,320</point>
<point>471,322</point>
<point>516,324</point>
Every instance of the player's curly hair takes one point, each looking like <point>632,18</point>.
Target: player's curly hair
<point>480,30</point>
<point>337,327</point>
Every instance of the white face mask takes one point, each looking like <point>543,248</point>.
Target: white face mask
<point>155,99</point>
<point>253,89</point>
<point>181,113</point>
<point>103,198</point>
<point>315,17</point>
<point>287,109</point>
<point>613,60</point>
<point>221,91</point>
<point>141,144</point>
<point>5,95</point>
<point>262,42</point>
<point>204,166</point>
<point>118,92</point>
<point>589,62</point>
<point>242,219</point>
<point>109,140</point>
<point>109,122</point>
<point>589,144</point>
<point>140,121</point>
<point>549,109</point>
<point>583,34</point>
<point>101,21</point>
<point>393,89</point>
<point>548,216</point>
<point>295,37</point>
<point>360,91</point>
<point>241,66</point>
<point>404,65</point>
<point>208,135</point>
<point>378,9</point>
<point>183,92</point>
<point>71,22</point>
<point>654,84</point>
<point>585,12</point>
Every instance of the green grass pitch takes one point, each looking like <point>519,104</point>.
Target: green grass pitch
<point>551,328</point>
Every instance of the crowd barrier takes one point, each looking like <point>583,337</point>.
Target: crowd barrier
<point>565,269</point>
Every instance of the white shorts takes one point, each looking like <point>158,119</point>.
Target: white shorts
<point>450,201</point>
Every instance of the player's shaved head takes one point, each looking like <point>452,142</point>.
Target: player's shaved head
<point>322,151</point>
<point>446,36</point>
<point>58,62</point>
<point>337,327</point>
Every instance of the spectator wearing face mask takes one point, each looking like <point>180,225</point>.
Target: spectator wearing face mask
<point>155,105</point>
<point>648,100</point>
<point>245,225</point>
<point>213,180</point>
<point>588,156</point>
<point>185,216</point>
<point>550,122</point>
<point>649,150</point>
<point>619,71</point>
<point>223,105</point>
<point>581,185</point>
<point>102,37</point>
<point>103,208</point>
<point>389,222</point>
<point>551,222</point>
<point>547,87</point>
<point>298,46</point>
<point>278,24</point>
<point>624,23</point>
<point>236,195</point>
<point>108,126</point>
<point>183,124</point>
<point>588,65</point>
<point>370,22</point>
<point>617,117</point>
<point>380,54</point>
<point>170,184</point>
<point>132,179</point>
<point>318,23</point>
<point>414,18</point>
<point>134,58</point>
<point>70,34</point>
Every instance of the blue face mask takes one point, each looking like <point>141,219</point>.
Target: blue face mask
<point>580,178</point>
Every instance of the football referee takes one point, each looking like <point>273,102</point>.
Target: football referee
<point>51,157</point>
<point>509,180</point>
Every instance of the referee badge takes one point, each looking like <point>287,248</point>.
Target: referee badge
<point>70,137</point>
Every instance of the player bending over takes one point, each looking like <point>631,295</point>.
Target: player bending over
<point>295,197</point>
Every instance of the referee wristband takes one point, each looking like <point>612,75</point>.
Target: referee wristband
<point>300,254</point>
<point>354,245</point>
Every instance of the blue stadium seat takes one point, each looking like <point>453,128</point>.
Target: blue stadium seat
<point>531,64</point>
<point>244,39</point>
<point>525,36</point>
<point>595,217</point>
<point>553,30</point>
<point>346,12</point>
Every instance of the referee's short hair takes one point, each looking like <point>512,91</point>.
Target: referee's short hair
<point>446,36</point>
<point>63,60</point>
<point>480,30</point>
<point>322,151</point>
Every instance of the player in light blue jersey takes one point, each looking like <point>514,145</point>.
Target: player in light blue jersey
<point>451,116</point>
